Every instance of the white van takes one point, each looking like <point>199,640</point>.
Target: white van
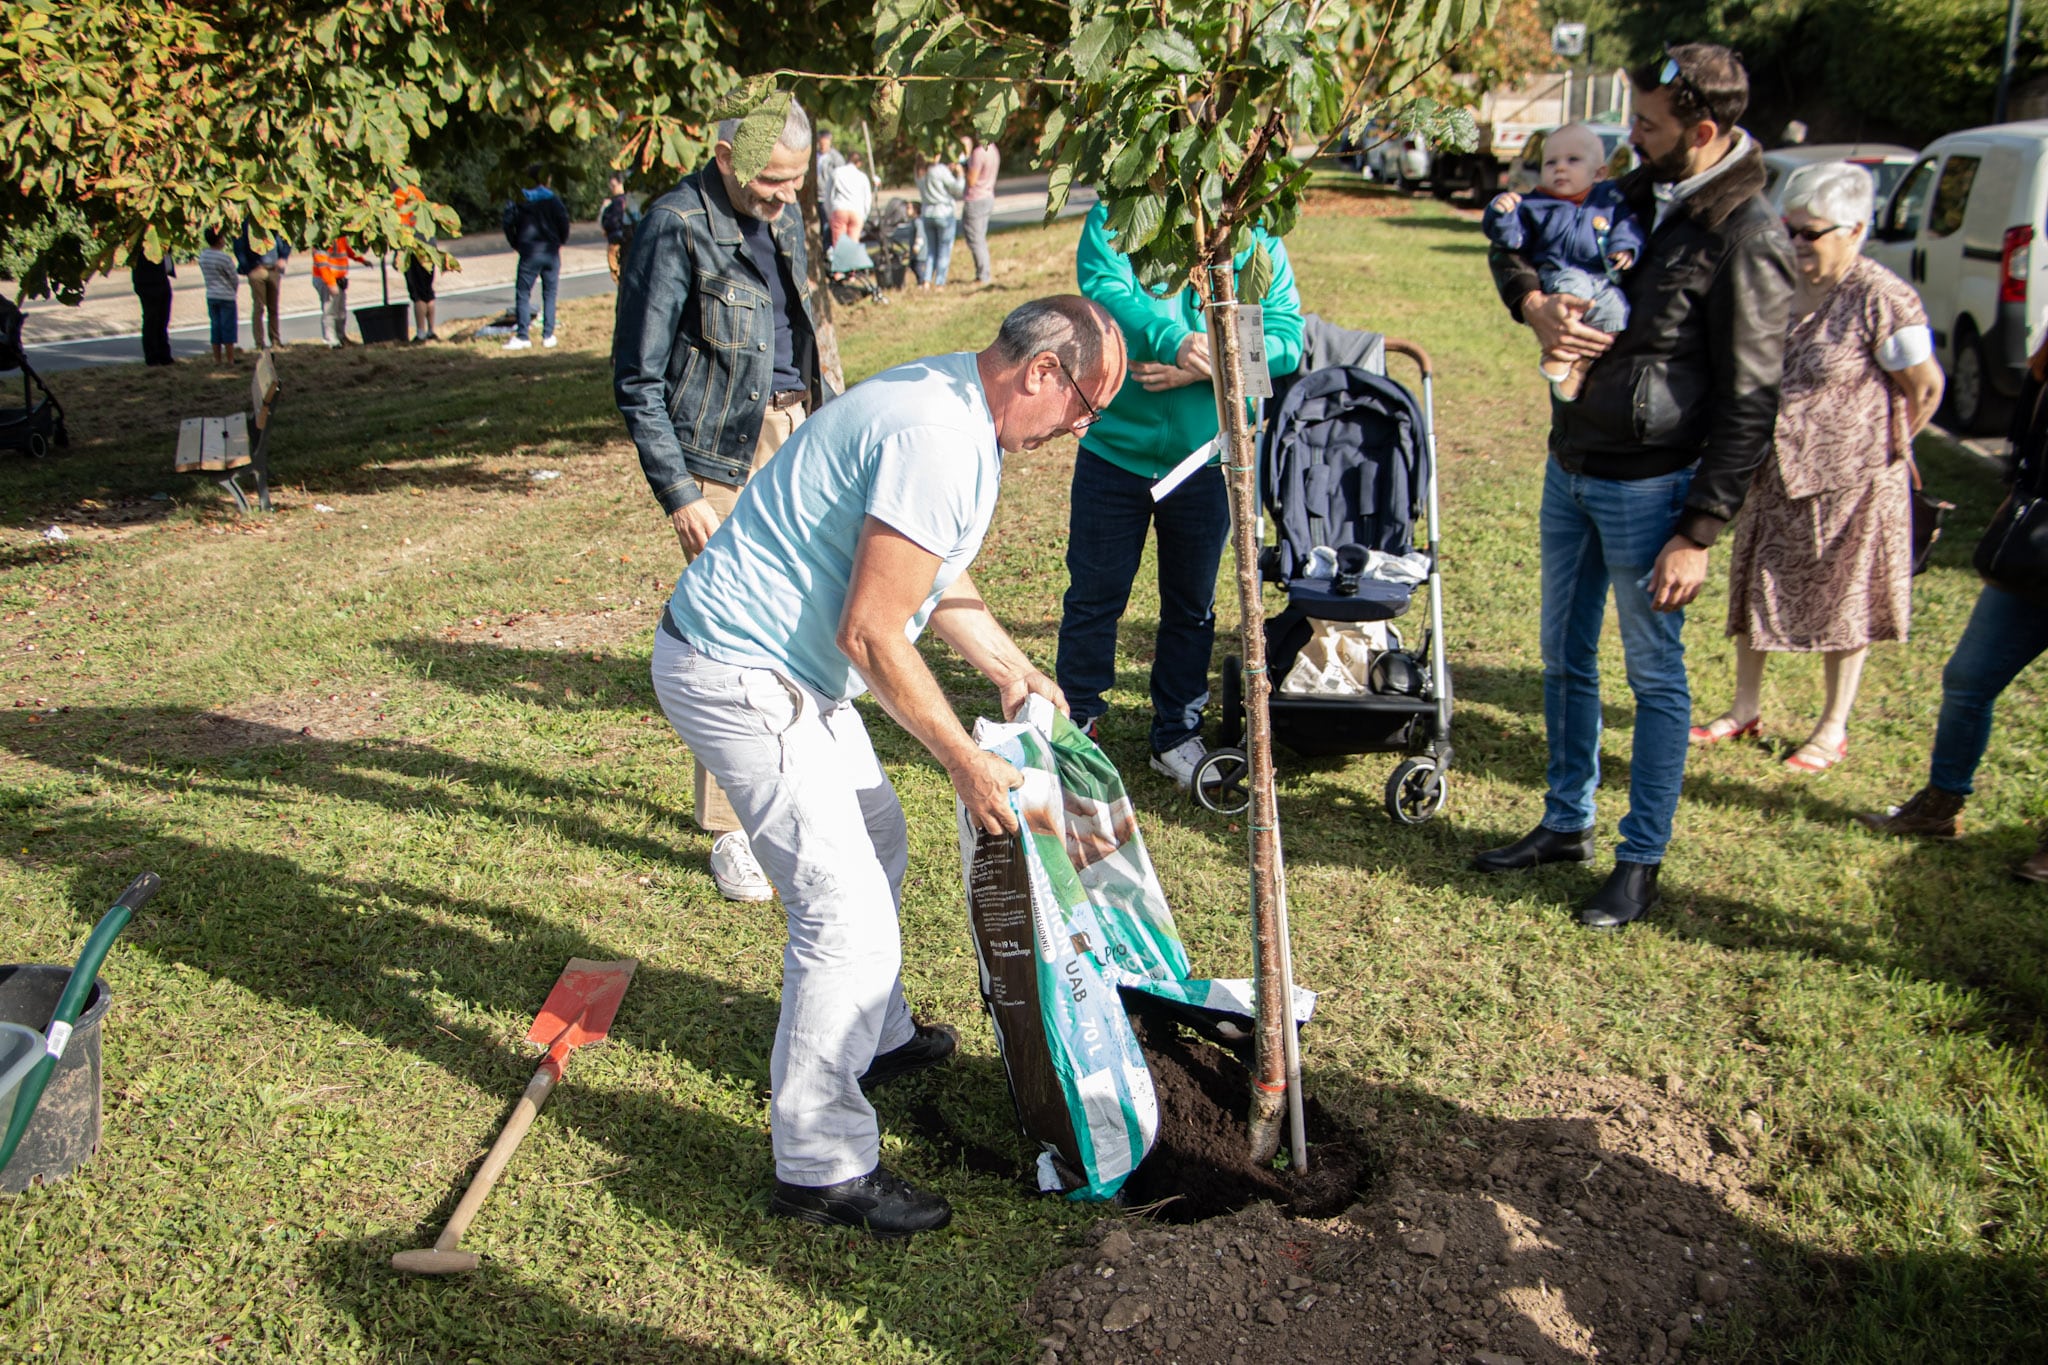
<point>1962,227</point>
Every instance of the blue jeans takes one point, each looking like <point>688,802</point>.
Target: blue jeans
<point>2005,634</point>
<point>1608,310</point>
<point>1106,525</point>
<point>545,266</point>
<point>938,247</point>
<point>1597,533</point>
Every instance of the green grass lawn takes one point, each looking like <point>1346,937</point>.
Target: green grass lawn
<point>395,755</point>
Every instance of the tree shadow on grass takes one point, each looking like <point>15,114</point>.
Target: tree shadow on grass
<point>416,966</point>
<point>498,1314</point>
<point>343,417</point>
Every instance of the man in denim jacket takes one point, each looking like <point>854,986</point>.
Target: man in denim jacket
<point>714,365</point>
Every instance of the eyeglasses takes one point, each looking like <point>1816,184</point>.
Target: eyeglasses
<point>1813,234</point>
<point>1093,415</point>
<point>1674,74</point>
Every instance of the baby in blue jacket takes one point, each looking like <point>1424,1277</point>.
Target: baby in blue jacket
<point>1578,232</point>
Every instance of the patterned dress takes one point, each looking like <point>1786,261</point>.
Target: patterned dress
<point>1823,557</point>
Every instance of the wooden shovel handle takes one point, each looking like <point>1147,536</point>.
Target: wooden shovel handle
<point>508,1142</point>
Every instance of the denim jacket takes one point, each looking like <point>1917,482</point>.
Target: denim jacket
<point>693,344</point>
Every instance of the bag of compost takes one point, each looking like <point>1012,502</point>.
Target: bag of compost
<point>1064,916</point>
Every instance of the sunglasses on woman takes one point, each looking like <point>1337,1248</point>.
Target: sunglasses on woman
<point>1812,234</point>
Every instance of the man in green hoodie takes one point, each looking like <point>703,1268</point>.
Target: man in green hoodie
<point>1163,415</point>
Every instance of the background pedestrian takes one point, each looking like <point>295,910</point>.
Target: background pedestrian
<point>853,194</point>
<point>265,272</point>
<point>536,224</point>
<point>152,282</point>
<point>939,187</point>
<point>983,164</point>
<point>419,267</point>
<point>223,290</point>
<point>618,219</point>
<point>330,282</point>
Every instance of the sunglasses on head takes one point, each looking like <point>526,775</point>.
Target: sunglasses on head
<point>1813,234</point>
<point>1674,74</point>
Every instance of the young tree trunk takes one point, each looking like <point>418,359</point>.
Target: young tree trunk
<point>1275,1010</point>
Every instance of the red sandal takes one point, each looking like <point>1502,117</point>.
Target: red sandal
<point>1724,727</point>
<point>1815,757</point>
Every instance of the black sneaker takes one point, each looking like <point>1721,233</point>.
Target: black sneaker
<point>885,1205</point>
<point>932,1045</point>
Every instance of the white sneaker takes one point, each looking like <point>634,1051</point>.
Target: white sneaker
<point>548,341</point>
<point>733,867</point>
<point>1180,762</point>
<point>518,344</point>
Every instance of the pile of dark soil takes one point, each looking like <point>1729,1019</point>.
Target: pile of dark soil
<point>1197,1167</point>
<point>1611,1229</point>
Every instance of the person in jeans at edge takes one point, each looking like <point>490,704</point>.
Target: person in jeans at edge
<point>714,366</point>
<point>2007,631</point>
<point>1166,413</point>
<point>844,549</point>
<point>536,224</point>
<point>1654,458</point>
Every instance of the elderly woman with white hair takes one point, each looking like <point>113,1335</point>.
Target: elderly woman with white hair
<point>1823,558</point>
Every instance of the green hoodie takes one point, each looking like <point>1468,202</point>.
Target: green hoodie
<point>1147,433</point>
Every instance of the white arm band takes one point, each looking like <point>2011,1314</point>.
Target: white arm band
<point>1905,348</point>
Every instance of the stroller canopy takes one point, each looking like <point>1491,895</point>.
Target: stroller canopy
<point>1344,467</point>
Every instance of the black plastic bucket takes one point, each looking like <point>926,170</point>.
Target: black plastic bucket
<point>66,1128</point>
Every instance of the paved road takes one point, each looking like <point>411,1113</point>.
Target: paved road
<point>103,331</point>
<point>190,342</point>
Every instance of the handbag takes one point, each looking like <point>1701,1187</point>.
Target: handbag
<point>1928,512</point>
<point>2014,552</point>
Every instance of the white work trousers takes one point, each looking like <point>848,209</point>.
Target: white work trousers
<point>828,830</point>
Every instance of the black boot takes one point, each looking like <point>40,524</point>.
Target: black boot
<point>931,1045</point>
<point>878,1201</point>
<point>1540,845</point>
<point>1629,893</point>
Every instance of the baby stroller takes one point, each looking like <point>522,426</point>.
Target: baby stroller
<point>38,423</point>
<point>850,273</point>
<point>1347,468</point>
<point>895,242</point>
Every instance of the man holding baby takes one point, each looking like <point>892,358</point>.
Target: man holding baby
<point>1655,430</point>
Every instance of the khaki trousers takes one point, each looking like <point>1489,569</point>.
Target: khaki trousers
<point>715,813</point>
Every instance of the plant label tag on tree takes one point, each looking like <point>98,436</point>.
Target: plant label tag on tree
<point>1251,351</point>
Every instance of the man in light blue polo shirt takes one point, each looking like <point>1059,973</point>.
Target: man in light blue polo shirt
<point>839,553</point>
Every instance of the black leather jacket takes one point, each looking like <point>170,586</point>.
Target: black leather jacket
<point>693,339</point>
<point>1694,376</point>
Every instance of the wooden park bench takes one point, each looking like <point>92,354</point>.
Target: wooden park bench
<point>220,445</point>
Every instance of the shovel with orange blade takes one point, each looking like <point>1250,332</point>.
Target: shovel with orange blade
<point>579,1010</point>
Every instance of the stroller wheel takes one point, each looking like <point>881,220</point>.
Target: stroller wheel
<point>1222,782</point>
<point>38,445</point>
<point>1230,723</point>
<point>1416,792</point>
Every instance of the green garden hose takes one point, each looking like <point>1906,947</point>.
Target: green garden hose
<point>71,1004</point>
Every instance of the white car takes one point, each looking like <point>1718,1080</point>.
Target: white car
<point>1961,228</point>
<point>1886,163</point>
<point>1392,159</point>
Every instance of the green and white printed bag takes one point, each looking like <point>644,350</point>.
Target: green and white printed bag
<point>1065,916</point>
